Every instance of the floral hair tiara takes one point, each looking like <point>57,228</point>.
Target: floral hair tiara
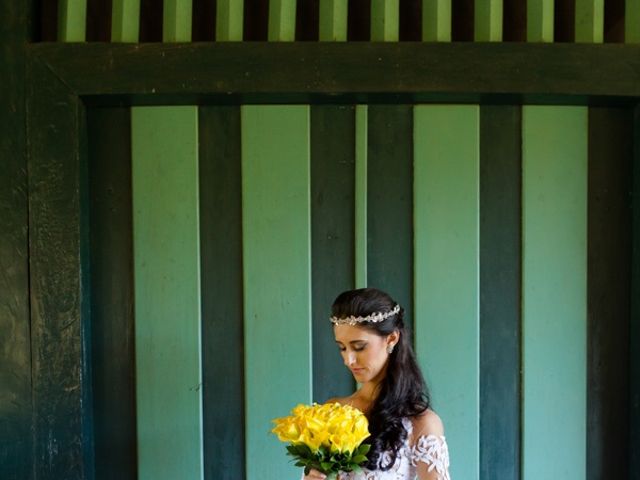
<point>373,318</point>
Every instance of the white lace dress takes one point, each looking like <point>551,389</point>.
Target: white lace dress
<point>429,449</point>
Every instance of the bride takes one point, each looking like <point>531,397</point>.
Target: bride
<point>407,436</point>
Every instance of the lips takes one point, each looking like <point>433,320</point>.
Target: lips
<point>357,370</point>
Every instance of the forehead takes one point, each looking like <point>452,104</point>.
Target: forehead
<point>351,333</point>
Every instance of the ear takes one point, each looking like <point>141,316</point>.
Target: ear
<point>393,338</point>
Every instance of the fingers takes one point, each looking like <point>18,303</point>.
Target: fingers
<point>315,475</point>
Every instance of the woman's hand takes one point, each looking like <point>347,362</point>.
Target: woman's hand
<point>315,475</point>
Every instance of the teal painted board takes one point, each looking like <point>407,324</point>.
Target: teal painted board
<point>333,20</point>
<point>361,196</point>
<point>282,20</point>
<point>632,21</point>
<point>229,20</point>
<point>589,21</point>
<point>385,20</point>
<point>436,20</point>
<point>540,14</point>
<point>125,20</point>
<point>72,20</point>
<point>634,330</point>
<point>167,292</point>
<point>488,20</point>
<point>447,257</point>
<point>554,149</point>
<point>176,20</point>
<point>277,277</point>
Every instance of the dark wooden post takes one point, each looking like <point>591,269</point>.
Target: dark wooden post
<point>15,349</point>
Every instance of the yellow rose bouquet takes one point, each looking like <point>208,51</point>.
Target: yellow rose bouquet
<point>325,437</point>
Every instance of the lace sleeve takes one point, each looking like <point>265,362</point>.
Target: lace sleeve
<point>433,451</point>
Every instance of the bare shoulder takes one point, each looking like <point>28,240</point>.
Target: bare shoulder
<point>428,423</point>
<point>340,400</point>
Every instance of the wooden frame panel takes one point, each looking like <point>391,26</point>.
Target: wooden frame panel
<point>64,79</point>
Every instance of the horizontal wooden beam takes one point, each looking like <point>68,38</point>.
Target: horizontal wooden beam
<point>304,72</point>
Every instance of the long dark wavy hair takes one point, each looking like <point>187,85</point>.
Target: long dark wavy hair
<point>403,391</point>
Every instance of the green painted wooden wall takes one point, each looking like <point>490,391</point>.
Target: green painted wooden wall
<point>282,167</point>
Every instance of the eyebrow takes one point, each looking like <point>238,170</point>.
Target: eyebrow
<point>352,341</point>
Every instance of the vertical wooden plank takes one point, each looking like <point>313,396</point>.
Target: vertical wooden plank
<point>333,20</point>
<point>16,446</point>
<point>282,20</point>
<point>176,23</point>
<point>554,291</point>
<point>634,330</point>
<point>608,288</point>
<point>111,234</point>
<point>125,21</point>
<point>540,20</point>
<point>277,277</point>
<point>500,291</point>
<point>332,241</point>
<point>361,195</point>
<point>167,292</point>
<point>229,20</point>
<point>446,192</point>
<point>72,18</point>
<point>632,21</point>
<point>589,18</point>
<point>385,20</point>
<point>390,203</point>
<point>222,303</point>
<point>436,20</point>
<point>488,20</point>
<point>59,266</point>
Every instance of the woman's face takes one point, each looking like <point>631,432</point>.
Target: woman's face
<point>363,351</point>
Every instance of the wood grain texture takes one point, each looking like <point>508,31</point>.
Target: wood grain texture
<point>15,344</point>
<point>390,203</point>
<point>608,291</point>
<point>500,291</point>
<point>222,300</point>
<point>60,335</point>
<point>554,289</point>
<point>416,71</point>
<point>112,319</point>
<point>446,270</point>
<point>332,239</point>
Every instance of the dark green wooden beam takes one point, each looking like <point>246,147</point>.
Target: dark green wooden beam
<point>304,71</point>
<point>15,350</point>
<point>58,242</point>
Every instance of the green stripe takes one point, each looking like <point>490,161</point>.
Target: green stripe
<point>277,277</point>
<point>222,303</point>
<point>540,20</point>
<point>112,303</point>
<point>282,20</point>
<point>125,21</point>
<point>436,20</point>
<point>72,20</point>
<point>488,20</point>
<point>361,196</point>
<point>229,20</point>
<point>554,291</point>
<point>500,290</point>
<point>589,22</point>
<point>176,24</point>
<point>632,21</point>
<point>385,20</point>
<point>446,204</point>
<point>634,331</point>
<point>333,20</point>
<point>167,292</point>
<point>332,239</point>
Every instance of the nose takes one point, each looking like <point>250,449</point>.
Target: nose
<point>350,358</point>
